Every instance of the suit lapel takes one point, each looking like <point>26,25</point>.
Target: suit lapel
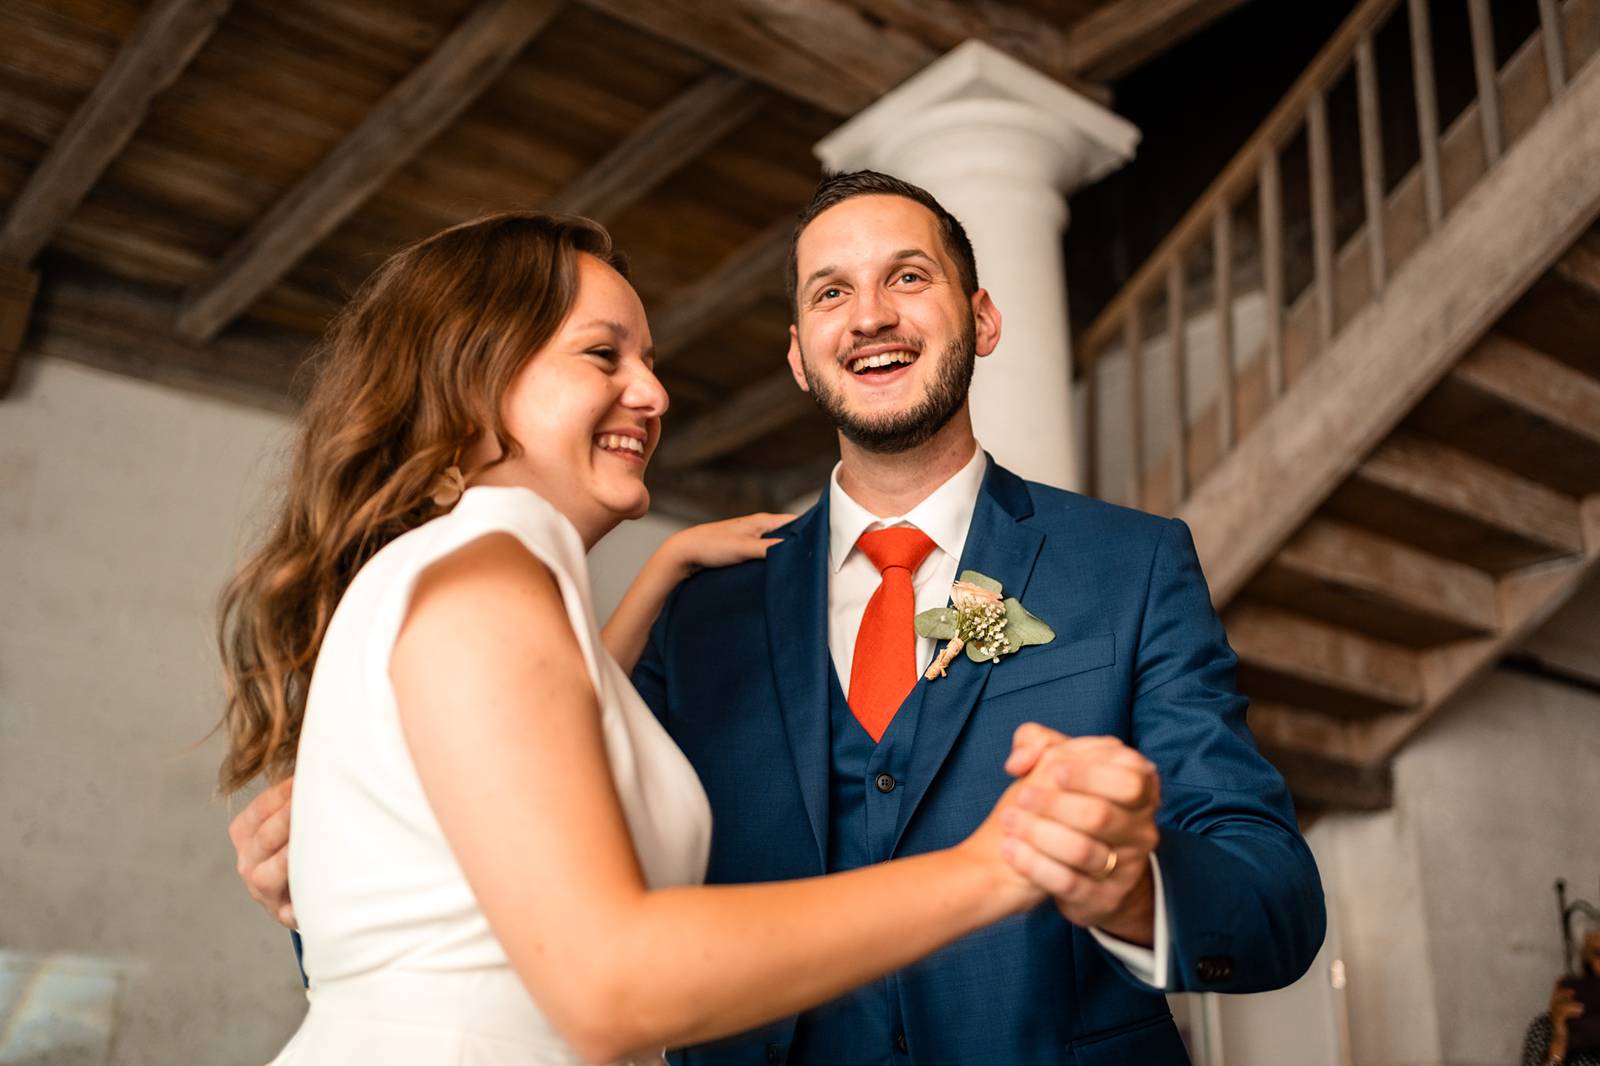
<point>999,545</point>
<point>797,634</point>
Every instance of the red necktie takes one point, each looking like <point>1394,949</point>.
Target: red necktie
<point>883,670</point>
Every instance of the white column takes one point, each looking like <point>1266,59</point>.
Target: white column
<point>1001,146</point>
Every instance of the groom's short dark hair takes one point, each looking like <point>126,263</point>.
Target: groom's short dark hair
<point>835,189</point>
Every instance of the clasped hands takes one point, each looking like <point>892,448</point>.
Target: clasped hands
<point>1085,800</point>
<point>1083,827</point>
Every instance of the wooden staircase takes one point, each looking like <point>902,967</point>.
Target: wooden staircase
<point>1403,480</point>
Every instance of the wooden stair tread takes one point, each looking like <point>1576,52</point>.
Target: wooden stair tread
<point>1291,658</point>
<point>1318,760</point>
<point>1352,577</point>
<point>1447,502</point>
<point>1560,316</point>
<point>1516,407</point>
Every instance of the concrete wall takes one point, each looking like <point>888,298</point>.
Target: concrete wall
<point>123,507</point>
<point>121,510</point>
<point>1445,902</point>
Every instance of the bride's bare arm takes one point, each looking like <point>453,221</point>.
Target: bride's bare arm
<point>502,722</point>
<point>711,544</point>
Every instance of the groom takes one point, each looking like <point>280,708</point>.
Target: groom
<point>793,686</point>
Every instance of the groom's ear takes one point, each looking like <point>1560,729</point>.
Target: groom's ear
<point>795,366</point>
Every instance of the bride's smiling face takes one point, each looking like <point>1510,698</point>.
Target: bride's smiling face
<point>587,409</point>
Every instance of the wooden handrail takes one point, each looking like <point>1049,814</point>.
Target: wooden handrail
<point>1242,172</point>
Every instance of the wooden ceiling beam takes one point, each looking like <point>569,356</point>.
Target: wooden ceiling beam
<point>1012,29</point>
<point>1126,34</point>
<point>407,119</point>
<point>158,50</point>
<point>126,329</point>
<point>686,127</point>
<point>709,495</point>
<point>751,271</point>
<point>830,54</point>
<point>748,415</point>
<point>743,418</point>
<point>17,288</point>
<point>823,52</point>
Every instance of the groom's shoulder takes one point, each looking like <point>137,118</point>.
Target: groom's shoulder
<point>722,588</point>
<point>1062,509</point>
<point>731,588</point>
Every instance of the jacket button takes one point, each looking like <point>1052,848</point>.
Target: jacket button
<point>1214,968</point>
<point>900,1044</point>
<point>885,783</point>
<point>774,1054</point>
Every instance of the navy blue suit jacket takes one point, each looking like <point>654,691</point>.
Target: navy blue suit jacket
<point>737,669</point>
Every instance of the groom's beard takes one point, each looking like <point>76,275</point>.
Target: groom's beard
<point>902,431</point>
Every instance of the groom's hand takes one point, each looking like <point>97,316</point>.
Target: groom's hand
<point>260,835</point>
<point>1104,802</point>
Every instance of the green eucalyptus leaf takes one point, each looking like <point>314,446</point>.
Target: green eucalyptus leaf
<point>972,577</point>
<point>937,624</point>
<point>1024,627</point>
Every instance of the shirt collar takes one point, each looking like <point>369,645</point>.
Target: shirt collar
<point>945,514</point>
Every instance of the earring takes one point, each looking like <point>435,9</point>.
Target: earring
<point>448,486</point>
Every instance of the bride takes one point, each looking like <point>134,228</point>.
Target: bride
<point>497,850</point>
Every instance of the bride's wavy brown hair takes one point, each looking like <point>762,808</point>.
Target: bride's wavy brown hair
<point>408,375</point>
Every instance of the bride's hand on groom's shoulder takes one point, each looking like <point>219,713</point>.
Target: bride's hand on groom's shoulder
<point>1083,827</point>
<point>712,544</point>
<point>260,836</point>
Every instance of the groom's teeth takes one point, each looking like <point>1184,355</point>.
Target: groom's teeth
<point>868,362</point>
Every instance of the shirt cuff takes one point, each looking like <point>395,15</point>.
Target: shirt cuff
<point>1149,965</point>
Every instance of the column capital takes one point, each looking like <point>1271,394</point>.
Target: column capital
<point>977,109</point>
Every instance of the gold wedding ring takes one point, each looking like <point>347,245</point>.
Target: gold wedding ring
<point>1111,864</point>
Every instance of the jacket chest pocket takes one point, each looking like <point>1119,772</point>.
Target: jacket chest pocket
<point>1041,664</point>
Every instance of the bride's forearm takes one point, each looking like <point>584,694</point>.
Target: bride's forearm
<point>698,963</point>
<point>628,628</point>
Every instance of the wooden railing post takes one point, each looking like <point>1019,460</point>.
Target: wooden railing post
<point>1091,425</point>
<point>1272,266</point>
<point>1321,215</point>
<point>1372,177</point>
<point>1485,71</point>
<point>1222,271</point>
<point>1427,93</point>
<point>1555,50</point>
<point>1133,344</point>
<point>1180,384</point>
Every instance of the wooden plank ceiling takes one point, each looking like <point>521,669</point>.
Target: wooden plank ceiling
<point>193,186</point>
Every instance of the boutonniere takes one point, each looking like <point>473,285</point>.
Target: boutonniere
<point>981,621</point>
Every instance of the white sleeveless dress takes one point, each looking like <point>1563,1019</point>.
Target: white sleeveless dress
<point>402,963</point>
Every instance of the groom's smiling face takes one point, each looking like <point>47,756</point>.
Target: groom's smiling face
<point>885,337</point>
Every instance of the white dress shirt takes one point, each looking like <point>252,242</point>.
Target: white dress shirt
<point>944,515</point>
